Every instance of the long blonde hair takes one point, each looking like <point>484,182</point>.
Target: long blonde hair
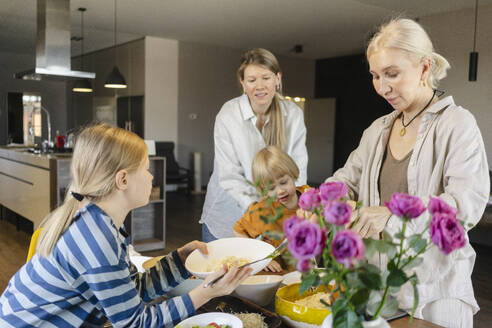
<point>274,131</point>
<point>100,152</point>
<point>271,163</point>
<point>408,35</point>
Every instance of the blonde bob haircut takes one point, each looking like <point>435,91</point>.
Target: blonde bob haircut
<point>272,163</point>
<point>408,35</point>
<point>100,152</point>
<point>274,133</point>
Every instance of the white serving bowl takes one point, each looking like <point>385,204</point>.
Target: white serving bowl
<point>219,249</point>
<point>259,289</point>
<point>290,278</point>
<point>219,318</point>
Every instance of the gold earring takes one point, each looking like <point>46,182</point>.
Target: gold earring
<point>423,83</point>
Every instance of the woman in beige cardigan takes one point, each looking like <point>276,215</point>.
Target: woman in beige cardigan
<point>428,146</point>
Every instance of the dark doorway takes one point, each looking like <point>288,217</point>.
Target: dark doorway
<point>130,114</point>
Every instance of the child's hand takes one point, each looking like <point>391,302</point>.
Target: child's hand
<point>184,251</point>
<point>307,215</point>
<point>224,286</point>
<point>273,266</point>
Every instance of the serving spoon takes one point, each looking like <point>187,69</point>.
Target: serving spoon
<point>272,255</point>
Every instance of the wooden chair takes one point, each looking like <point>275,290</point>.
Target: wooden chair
<point>32,244</point>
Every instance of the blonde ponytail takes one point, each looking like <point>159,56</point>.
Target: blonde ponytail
<point>100,152</point>
<point>274,132</point>
<point>54,224</point>
<point>408,35</point>
<point>439,69</point>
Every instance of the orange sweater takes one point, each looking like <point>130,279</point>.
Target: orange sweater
<point>252,226</point>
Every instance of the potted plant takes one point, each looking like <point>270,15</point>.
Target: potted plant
<point>366,293</point>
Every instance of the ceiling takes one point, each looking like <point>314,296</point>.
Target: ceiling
<point>326,28</point>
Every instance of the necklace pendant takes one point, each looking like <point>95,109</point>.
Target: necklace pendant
<point>403,131</point>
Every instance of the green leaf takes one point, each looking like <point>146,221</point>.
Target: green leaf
<point>307,283</point>
<point>389,307</point>
<point>360,297</point>
<point>346,318</point>
<point>396,278</point>
<point>417,243</point>
<point>398,235</point>
<point>269,202</point>
<point>394,290</point>
<point>391,265</point>
<point>392,251</point>
<point>358,205</point>
<point>370,245</point>
<point>382,246</point>
<point>340,304</point>
<point>470,225</point>
<point>272,234</point>
<point>370,279</point>
<point>371,268</point>
<point>414,262</point>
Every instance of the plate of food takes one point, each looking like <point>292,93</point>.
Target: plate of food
<point>228,251</point>
<point>211,320</point>
<point>252,315</point>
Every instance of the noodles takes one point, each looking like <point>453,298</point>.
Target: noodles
<point>314,301</point>
<point>216,265</point>
<point>252,320</point>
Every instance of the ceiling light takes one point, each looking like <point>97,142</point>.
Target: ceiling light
<point>115,78</point>
<point>83,85</point>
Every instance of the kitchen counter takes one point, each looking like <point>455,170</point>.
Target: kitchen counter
<point>30,183</point>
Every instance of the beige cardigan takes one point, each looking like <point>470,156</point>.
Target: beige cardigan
<point>448,161</point>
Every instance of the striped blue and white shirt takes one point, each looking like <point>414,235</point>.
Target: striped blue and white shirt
<point>88,277</point>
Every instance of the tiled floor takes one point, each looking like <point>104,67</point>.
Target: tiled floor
<point>183,213</point>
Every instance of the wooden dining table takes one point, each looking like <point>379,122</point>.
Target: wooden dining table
<point>401,323</point>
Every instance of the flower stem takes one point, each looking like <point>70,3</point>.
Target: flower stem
<point>401,242</point>
<point>383,300</point>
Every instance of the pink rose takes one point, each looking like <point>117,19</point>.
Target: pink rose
<point>346,247</point>
<point>437,205</point>
<point>404,205</point>
<point>447,233</point>
<point>337,213</point>
<point>330,191</point>
<point>289,225</point>
<point>309,200</point>
<point>306,240</point>
<point>303,265</point>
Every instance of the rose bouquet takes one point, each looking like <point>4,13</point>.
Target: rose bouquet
<point>365,290</point>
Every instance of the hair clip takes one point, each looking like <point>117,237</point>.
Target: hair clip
<point>77,196</point>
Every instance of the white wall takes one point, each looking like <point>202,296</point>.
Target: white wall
<point>161,89</point>
<point>452,35</point>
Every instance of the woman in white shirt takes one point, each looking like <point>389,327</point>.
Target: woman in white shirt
<point>244,125</point>
<point>426,147</point>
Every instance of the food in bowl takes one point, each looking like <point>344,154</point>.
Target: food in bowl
<point>211,320</point>
<point>198,263</point>
<point>317,301</point>
<point>252,320</point>
<point>299,315</point>
<point>229,261</point>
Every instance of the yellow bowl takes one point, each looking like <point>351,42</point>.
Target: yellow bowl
<point>285,306</point>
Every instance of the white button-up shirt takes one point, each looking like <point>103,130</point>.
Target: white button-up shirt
<point>237,140</point>
<point>448,161</point>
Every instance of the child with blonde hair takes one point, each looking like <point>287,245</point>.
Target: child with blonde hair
<point>277,172</point>
<point>81,273</point>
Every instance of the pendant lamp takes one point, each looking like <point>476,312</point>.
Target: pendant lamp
<point>83,85</point>
<point>115,78</point>
<point>472,70</point>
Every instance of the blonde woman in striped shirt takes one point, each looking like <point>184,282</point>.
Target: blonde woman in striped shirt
<point>81,273</point>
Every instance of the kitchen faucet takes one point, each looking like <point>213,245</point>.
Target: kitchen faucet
<point>50,143</point>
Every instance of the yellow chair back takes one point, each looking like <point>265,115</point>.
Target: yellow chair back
<point>32,245</point>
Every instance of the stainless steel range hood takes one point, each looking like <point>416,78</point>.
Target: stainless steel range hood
<point>53,44</point>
